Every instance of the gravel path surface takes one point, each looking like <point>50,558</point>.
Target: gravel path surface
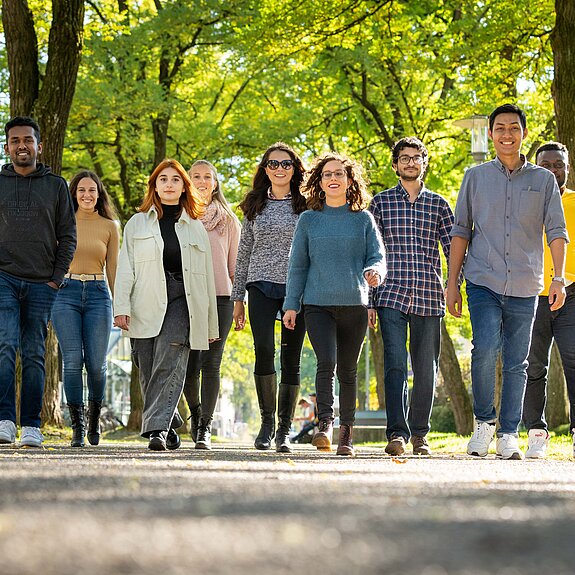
<point>119,509</point>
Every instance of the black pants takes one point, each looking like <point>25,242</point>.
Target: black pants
<point>549,325</point>
<point>208,362</point>
<point>263,312</point>
<point>336,334</point>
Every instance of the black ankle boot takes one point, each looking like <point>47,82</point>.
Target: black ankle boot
<point>287,400</point>
<point>204,439</point>
<point>266,387</point>
<point>195,414</point>
<point>94,410</point>
<point>78,424</point>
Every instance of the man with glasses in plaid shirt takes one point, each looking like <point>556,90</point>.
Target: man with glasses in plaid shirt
<point>413,221</point>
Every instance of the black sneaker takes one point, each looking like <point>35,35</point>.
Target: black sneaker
<point>173,440</point>
<point>157,440</point>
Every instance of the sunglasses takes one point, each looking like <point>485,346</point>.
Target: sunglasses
<point>275,164</point>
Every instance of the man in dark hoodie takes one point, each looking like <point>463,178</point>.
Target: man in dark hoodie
<point>37,243</point>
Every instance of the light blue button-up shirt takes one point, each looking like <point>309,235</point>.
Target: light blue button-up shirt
<point>503,215</point>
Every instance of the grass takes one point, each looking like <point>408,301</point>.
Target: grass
<point>560,445</point>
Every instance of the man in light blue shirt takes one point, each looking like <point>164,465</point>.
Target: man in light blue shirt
<point>502,208</point>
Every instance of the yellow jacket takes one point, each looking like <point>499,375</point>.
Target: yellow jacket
<point>568,201</point>
<point>140,288</point>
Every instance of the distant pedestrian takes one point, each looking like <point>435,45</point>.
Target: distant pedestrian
<point>37,243</point>
<point>271,211</point>
<point>336,254</point>
<point>165,296</point>
<point>413,222</point>
<point>502,208</point>
<point>82,314</point>
<point>223,229</point>
<point>550,325</point>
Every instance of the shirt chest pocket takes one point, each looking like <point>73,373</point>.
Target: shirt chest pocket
<point>194,258</point>
<point>530,203</point>
<point>144,248</point>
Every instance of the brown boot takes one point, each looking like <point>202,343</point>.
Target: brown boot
<point>322,439</point>
<point>395,446</point>
<point>420,445</point>
<point>345,446</point>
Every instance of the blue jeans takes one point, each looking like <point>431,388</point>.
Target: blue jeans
<point>82,318</point>
<point>24,313</point>
<point>424,344</point>
<point>499,323</point>
<point>549,325</point>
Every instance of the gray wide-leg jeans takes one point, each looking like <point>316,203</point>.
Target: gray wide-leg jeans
<point>162,361</point>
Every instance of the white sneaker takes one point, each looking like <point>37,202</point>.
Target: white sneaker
<point>31,436</point>
<point>7,431</point>
<point>507,447</point>
<point>481,439</point>
<point>538,440</point>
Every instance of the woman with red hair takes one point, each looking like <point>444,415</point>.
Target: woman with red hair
<point>165,296</point>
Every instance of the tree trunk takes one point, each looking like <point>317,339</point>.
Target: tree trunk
<point>376,345</point>
<point>136,401</point>
<point>51,413</point>
<point>563,88</point>
<point>50,104</point>
<point>557,407</point>
<point>460,401</point>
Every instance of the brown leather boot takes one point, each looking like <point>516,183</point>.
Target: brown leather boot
<point>345,446</point>
<point>322,439</point>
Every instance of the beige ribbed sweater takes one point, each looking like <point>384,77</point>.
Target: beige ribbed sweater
<point>98,246</point>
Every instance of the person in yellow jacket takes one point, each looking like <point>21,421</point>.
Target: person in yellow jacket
<point>165,296</point>
<point>552,325</point>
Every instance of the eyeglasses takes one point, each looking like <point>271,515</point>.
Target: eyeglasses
<point>557,165</point>
<point>405,160</point>
<point>275,164</point>
<point>339,174</point>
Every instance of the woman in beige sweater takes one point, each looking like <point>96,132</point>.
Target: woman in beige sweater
<point>82,314</point>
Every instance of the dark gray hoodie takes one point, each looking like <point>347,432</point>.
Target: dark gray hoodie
<point>37,225</point>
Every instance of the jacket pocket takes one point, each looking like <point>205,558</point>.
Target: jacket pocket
<point>145,248</point>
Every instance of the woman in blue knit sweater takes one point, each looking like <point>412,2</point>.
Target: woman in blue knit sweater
<point>271,210</point>
<point>336,255</point>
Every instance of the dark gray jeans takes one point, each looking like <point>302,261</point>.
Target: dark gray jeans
<point>162,362</point>
<point>548,324</point>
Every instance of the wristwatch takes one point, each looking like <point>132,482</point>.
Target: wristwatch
<point>559,279</point>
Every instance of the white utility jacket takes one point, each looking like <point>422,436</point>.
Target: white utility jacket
<point>140,287</point>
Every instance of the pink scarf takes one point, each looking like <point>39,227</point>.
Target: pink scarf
<point>215,217</point>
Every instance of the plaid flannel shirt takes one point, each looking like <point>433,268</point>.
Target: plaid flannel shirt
<point>411,233</point>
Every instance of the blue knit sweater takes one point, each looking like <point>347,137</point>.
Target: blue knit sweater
<point>331,250</point>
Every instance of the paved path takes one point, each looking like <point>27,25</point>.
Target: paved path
<point>119,509</point>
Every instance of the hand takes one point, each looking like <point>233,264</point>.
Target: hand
<point>372,278</point>
<point>453,300</point>
<point>289,319</point>
<point>239,315</point>
<point>371,318</point>
<point>213,339</point>
<point>53,285</point>
<point>122,321</point>
<point>557,295</point>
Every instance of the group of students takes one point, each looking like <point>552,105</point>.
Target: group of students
<point>310,253</point>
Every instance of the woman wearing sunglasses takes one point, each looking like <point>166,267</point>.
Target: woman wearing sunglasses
<point>271,211</point>
<point>337,254</point>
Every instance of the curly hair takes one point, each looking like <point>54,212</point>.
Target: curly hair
<point>104,205</point>
<point>357,195</point>
<point>256,199</point>
<point>188,201</point>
